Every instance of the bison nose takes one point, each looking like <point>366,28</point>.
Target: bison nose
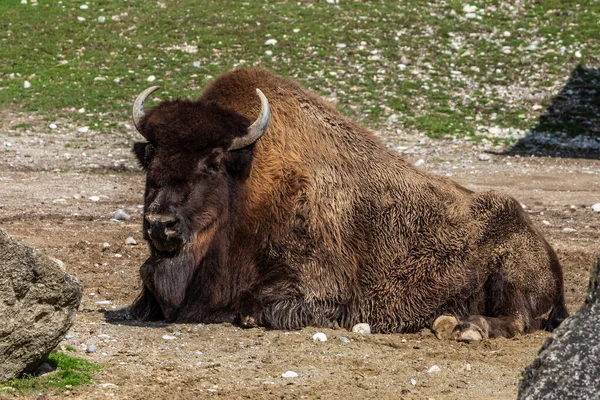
<point>162,226</point>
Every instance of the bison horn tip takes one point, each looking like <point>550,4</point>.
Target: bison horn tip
<point>258,128</point>
<point>138,106</point>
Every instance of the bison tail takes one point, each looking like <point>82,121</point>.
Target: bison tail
<point>557,315</point>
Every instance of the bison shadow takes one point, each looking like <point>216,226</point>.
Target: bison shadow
<point>570,126</point>
<point>122,316</point>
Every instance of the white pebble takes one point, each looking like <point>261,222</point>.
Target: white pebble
<point>420,162</point>
<point>289,374</point>
<point>433,369</point>
<point>506,34</point>
<point>596,207</point>
<point>469,8</point>
<point>196,64</point>
<point>268,53</point>
<point>121,215</point>
<point>80,19</point>
<point>105,245</point>
<point>296,30</point>
<point>569,230</point>
<point>26,84</point>
<point>413,381</point>
<point>363,329</point>
<point>52,126</point>
<point>130,241</point>
<point>94,198</point>
<point>319,337</point>
<point>101,18</point>
<point>168,337</point>
<point>344,339</point>
<point>83,7</point>
<point>484,157</point>
<point>83,129</point>
<point>91,349</point>
<point>340,45</point>
<point>151,78</point>
<point>532,47</point>
<point>547,223</point>
<point>578,54</point>
<point>271,42</point>
<point>103,302</point>
<point>471,15</point>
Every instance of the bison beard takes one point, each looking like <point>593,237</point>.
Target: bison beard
<point>313,221</point>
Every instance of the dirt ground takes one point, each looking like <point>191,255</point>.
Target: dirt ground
<point>47,178</point>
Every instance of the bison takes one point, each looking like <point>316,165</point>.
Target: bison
<point>265,206</point>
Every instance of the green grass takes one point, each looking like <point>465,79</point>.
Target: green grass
<point>69,372</point>
<point>455,63</point>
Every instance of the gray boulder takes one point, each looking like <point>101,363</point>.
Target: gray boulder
<point>568,364</point>
<point>38,301</point>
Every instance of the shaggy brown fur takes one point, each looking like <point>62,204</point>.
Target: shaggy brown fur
<point>318,223</point>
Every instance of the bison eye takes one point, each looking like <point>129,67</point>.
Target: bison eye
<point>210,169</point>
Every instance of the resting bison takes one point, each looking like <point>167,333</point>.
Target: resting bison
<point>304,218</point>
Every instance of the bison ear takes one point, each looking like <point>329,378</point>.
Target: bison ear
<point>142,152</point>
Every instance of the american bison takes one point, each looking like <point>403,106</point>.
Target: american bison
<point>265,206</point>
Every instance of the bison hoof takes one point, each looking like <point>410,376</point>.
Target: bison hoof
<point>444,326</point>
<point>469,335</point>
<point>248,322</point>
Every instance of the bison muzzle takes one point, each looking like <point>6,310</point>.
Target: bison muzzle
<point>265,206</point>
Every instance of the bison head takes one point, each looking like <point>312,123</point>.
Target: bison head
<point>196,155</point>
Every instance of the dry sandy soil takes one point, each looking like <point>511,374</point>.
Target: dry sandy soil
<point>46,179</point>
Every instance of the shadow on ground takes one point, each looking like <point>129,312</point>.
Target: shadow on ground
<point>570,127</point>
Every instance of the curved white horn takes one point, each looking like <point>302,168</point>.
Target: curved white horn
<point>258,128</point>
<point>138,106</point>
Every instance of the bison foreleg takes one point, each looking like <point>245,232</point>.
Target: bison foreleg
<point>146,307</point>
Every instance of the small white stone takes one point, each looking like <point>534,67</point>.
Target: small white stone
<point>506,34</point>
<point>101,18</point>
<point>107,385</point>
<point>471,15</point>
<point>130,241</point>
<point>103,302</point>
<point>94,198</point>
<point>271,42</point>
<point>596,207</point>
<point>296,30</point>
<point>289,374</point>
<point>469,8</point>
<point>268,53</point>
<point>340,45</point>
<point>420,162</point>
<point>105,245</point>
<point>151,78</point>
<point>569,230</point>
<point>547,223</point>
<point>80,19</point>
<point>196,64</point>
<point>319,337</point>
<point>433,369</point>
<point>484,157</point>
<point>532,47</point>
<point>52,126</point>
<point>83,7</point>
<point>577,54</point>
<point>83,129</point>
<point>363,329</point>
<point>168,337</point>
<point>413,381</point>
<point>26,84</point>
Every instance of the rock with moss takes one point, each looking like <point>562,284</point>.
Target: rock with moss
<point>38,301</point>
<point>568,365</point>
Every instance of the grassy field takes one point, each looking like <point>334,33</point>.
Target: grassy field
<point>442,67</point>
<point>67,372</point>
